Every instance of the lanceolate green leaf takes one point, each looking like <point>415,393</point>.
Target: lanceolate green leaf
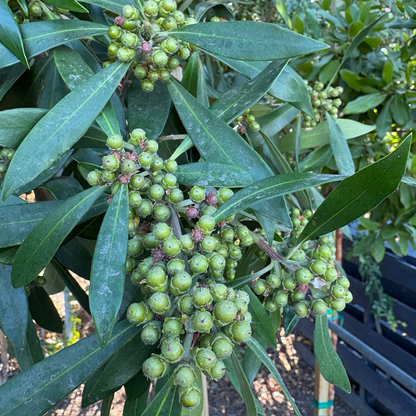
<point>164,402</point>
<point>14,310</point>
<point>10,34</point>
<point>16,124</point>
<point>340,148</point>
<point>41,36</point>
<point>268,188</point>
<point>148,111</point>
<point>8,76</point>
<point>109,265</point>
<point>364,103</point>
<point>72,5</point>
<point>316,160</point>
<point>213,174</point>
<point>115,6</point>
<point>274,121</point>
<point>266,360</point>
<point>246,391</point>
<point>75,71</point>
<point>319,135</point>
<point>50,380</point>
<point>234,102</point>
<point>245,40</point>
<point>63,126</point>
<point>17,221</point>
<point>358,194</point>
<point>190,75</point>
<point>330,364</point>
<point>44,240</point>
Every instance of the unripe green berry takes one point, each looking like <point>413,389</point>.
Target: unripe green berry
<point>198,264</point>
<point>289,283</point>
<point>147,86</point>
<point>150,241</point>
<point>173,63</point>
<point>270,305</point>
<point>129,40</point>
<point>153,368</point>
<point>319,307</point>
<point>301,309</point>
<point>187,243</point>
<point>151,8</point>
<point>93,177</point>
<point>348,296</point>
<point>128,166</point>
<point>145,159</point>
<point>338,291</point>
<point>159,303</point>
<point>185,305</point>
<point>150,334</point>
<point>134,247</point>
<point>145,208</point>
<point>338,304</point>
<point>273,280</point>
<point>169,23</point>
<point>225,194</point>
<point>217,261</point>
<point>241,331</point>
<point>110,162</point>
<point>259,287</point>
<point>225,312</point>
<point>136,313</point>
<point>344,282</point>
<point>303,275</point>
<point>201,296</point>
<point>162,231</point>
<point>172,350</point>
<point>280,298</point>
<point>184,53</point>
<point>202,321</point>
<point>318,267</point>
<point>205,358</point>
<point>172,246</point>
<point>197,194</point>
<point>330,274</point>
<point>185,376</point>
<point>156,192</point>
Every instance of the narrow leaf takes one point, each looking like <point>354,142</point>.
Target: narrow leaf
<point>41,36</point>
<point>243,280</point>
<point>148,111</point>
<point>8,76</point>
<point>245,40</point>
<point>364,103</point>
<point>109,265</point>
<point>253,344</point>
<point>115,6</point>
<point>63,126</point>
<point>213,174</point>
<point>47,382</point>
<point>75,71</point>
<point>340,149</point>
<point>14,310</point>
<point>10,33</point>
<point>269,188</point>
<point>44,240</point>
<point>72,5</point>
<point>246,391</point>
<point>190,75</point>
<point>330,364</point>
<point>43,310</point>
<point>358,194</point>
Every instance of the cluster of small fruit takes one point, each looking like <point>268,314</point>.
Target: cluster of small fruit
<point>34,11</point>
<point>315,284</point>
<point>247,119</point>
<point>189,312</point>
<point>259,10</point>
<point>6,155</point>
<point>135,39</point>
<point>323,101</point>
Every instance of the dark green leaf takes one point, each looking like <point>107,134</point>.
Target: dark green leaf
<point>340,149</point>
<point>75,71</point>
<point>364,245</point>
<point>364,103</point>
<point>243,280</point>
<point>17,221</point>
<point>135,407</point>
<point>246,391</point>
<point>213,174</point>
<point>115,6</point>
<point>266,360</point>
<point>245,40</point>
<point>62,187</point>
<point>39,37</point>
<point>358,194</point>
<point>269,188</point>
<point>64,125</point>
<point>8,76</point>
<point>7,254</point>
<point>109,265</point>
<point>43,310</point>
<point>72,285</point>
<point>72,5</point>
<point>44,240</point>
<point>74,256</point>
<point>16,124</point>
<point>46,383</point>
<point>163,403</point>
<point>261,318</point>
<point>106,405</point>
<point>319,135</point>
<point>10,33</point>
<point>290,320</point>
<point>251,363</point>
<point>384,119</point>
<point>330,364</point>
<point>399,110</point>
<point>190,75</point>
<point>273,122</point>
<point>281,8</point>
<point>123,366</point>
<point>14,311</point>
<point>148,111</point>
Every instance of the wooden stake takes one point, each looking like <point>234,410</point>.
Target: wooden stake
<point>324,391</point>
<point>205,409</point>
<point>4,358</point>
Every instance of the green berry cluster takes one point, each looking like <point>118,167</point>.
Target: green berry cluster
<point>190,313</point>
<point>314,284</point>
<point>139,40</point>
<point>6,155</point>
<point>247,119</point>
<point>37,10</point>
<point>323,101</point>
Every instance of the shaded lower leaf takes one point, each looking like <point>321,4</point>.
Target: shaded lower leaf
<point>8,76</point>
<point>358,194</point>
<point>266,360</point>
<point>47,382</point>
<point>290,320</point>
<point>109,265</point>
<point>243,280</point>
<point>364,103</point>
<point>43,310</point>
<point>246,391</point>
<point>269,188</point>
<point>14,310</point>
<point>330,364</point>
<point>135,407</point>
<point>316,160</point>
<point>213,174</point>
<point>44,240</point>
